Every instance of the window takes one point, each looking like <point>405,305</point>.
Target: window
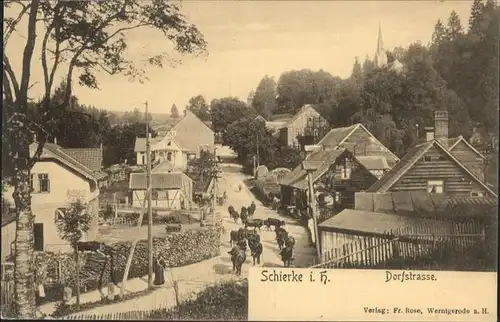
<point>345,173</point>
<point>143,159</point>
<point>427,158</point>
<point>169,143</point>
<point>476,194</point>
<point>435,186</point>
<point>40,183</point>
<point>169,156</point>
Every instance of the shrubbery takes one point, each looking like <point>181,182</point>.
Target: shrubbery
<point>223,302</point>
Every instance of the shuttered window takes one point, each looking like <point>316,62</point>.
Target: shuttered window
<point>40,183</point>
<point>435,186</point>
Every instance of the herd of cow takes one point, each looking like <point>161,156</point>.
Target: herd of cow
<point>244,236</point>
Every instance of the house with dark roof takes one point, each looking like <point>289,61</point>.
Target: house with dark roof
<point>306,122</point>
<point>459,147</point>
<point>171,190</point>
<point>92,159</point>
<point>362,143</point>
<point>58,178</point>
<point>432,168</point>
<point>182,142</point>
<point>337,172</point>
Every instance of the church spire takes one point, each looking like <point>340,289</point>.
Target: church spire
<point>380,55</point>
<point>380,43</point>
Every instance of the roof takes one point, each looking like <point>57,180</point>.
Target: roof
<point>373,223</point>
<point>373,162</point>
<point>140,143</point>
<point>54,151</point>
<point>164,166</point>
<point>321,160</point>
<point>407,162</point>
<point>183,133</point>
<point>89,157</point>
<point>281,117</point>
<point>454,142</point>
<point>303,109</point>
<point>275,125</point>
<point>339,135</point>
<point>159,180</point>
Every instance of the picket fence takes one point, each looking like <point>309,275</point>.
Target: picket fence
<point>132,315</point>
<point>412,243</point>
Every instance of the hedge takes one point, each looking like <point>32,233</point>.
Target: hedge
<point>223,302</point>
<point>177,249</point>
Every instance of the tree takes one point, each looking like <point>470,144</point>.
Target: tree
<point>454,28</point>
<point>264,98</point>
<point>226,110</point>
<point>199,107</point>
<point>356,73</point>
<point>75,37</point>
<point>72,225</point>
<point>174,112</point>
<point>368,66</point>
<point>200,167</point>
<point>299,87</point>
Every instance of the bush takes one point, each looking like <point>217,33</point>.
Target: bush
<point>222,302</point>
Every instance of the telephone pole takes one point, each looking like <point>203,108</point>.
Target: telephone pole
<point>149,195</point>
<point>312,204</point>
<point>216,174</point>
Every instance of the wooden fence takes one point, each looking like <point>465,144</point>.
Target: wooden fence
<point>7,289</point>
<point>132,315</point>
<point>413,244</point>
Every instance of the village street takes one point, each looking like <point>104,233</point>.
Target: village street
<point>195,278</point>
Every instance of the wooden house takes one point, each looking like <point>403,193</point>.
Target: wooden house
<point>363,143</point>
<point>173,190</point>
<point>431,167</point>
<point>459,147</point>
<point>304,121</point>
<point>337,173</point>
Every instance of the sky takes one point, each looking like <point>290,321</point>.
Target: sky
<point>250,39</point>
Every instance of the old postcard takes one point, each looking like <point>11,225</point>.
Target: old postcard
<point>250,160</point>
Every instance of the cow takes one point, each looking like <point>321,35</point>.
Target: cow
<point>255,250</point>
<point>236,236</point>
<point>274,222</point>
<point>281,237</point>
<point>251,209</point>
<point>256,223</point>
<point>286,256</point>
<point>244,211</point>
<point>244,216</point>
<point>238,257</point>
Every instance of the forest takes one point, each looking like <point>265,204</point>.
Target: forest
<point>457,70</point>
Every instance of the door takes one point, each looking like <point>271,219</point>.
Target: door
<point>38,235</point>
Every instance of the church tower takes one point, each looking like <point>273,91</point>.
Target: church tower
<point>380,56</point>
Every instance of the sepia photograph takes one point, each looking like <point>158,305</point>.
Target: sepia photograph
<point>162,157</point>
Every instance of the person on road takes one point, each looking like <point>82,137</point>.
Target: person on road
<point>159,270</point>
<point>239,187</point>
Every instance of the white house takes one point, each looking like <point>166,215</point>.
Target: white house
<point>171,190</point>
<point>184,141</point>
<point>57,179</point>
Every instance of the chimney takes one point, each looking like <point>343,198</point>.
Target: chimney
<point>441,126</point>
<point>429,133</point>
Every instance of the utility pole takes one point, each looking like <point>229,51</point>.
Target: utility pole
<point>215,175</point>
<point>149,195</point>
<point>312,205</point>
<point>258,156</point>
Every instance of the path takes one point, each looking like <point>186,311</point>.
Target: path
<point>196,277</point>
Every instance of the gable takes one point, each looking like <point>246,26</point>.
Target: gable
<point>167,143</point>
<point>191,133</point>
<point>361,142</point>
<point>435,164</point>
<point>465,152</point>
